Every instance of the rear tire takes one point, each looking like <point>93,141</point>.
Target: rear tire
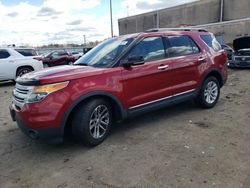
<point>209,93</point>
<point>92,121</point>
<point>23,70</point>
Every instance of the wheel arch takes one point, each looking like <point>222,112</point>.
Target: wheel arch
<point>215,73</point>
<point>24,66</point>
<point>119,111</point>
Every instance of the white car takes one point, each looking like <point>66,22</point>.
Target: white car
<point>15,62</point>
<point>77,55</point>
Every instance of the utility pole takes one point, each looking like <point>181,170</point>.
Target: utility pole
<point>127,10</point>
<point>221,10</point>
<point>111,18</point>
<point>84,37</point>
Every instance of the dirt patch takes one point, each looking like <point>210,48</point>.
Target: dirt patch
<point>203,124</point>
<point>181,146</point>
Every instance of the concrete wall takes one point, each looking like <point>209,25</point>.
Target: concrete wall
<point>230,30</point>
<point>236,9</point>
<point>190,14</point>
<point>197,13</point>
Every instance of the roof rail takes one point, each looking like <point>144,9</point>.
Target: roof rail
<point>177,29</point>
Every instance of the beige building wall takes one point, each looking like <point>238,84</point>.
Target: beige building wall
<point>197,13</point>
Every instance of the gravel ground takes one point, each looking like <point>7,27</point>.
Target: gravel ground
<point>181,146</point>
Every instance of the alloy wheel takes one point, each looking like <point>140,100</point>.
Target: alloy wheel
<point>211,92</point>
<point>99,121</point>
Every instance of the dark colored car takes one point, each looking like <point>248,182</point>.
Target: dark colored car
<point>120,78</point>
<point>229,51</point>
<point>242,52</point>
<point>56,58</point>
<point>86,50</point>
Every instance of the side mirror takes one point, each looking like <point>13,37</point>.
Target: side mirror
<point>135,60</point>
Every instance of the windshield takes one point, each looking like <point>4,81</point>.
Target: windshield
<point>48,54</point>
<point>105,53</point>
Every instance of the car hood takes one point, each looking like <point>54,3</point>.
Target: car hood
<point>58,74</point>
<point>241,43</point>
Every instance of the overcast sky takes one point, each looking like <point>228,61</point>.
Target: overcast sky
<point>38,22</point>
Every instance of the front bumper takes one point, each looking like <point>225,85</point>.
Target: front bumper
<point>238,64</point>
<point>51,135</point>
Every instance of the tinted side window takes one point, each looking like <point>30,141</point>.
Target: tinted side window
<point>55,55</point>
<point>27,52</point>
<point>63,53</point>
<point>150,49</point>
<point>181,45</point>
<point>4,54</point>
<point>195,48</point>
<point>211,42</point>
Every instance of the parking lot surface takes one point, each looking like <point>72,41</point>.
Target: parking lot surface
<point>180,146</point>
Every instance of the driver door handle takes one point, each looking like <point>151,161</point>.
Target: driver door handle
<point>200,59</point>
<point>162,67</point>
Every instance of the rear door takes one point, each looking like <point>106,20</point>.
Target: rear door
<point>146,83</point>
<point>56,59</point>
<point>64,58</point>
<point>7,65</point>
<point>186,59</point>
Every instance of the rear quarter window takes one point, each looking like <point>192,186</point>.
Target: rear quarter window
<point>212,42</point>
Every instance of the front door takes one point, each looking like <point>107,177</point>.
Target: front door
<point>148,82</point>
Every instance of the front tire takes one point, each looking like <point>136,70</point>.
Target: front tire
<point>209,93</point>
<point>92,121</point>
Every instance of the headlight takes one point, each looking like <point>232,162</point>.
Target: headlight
<point>40,92</point>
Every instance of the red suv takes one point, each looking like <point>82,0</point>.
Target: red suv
<point>120,78</point>
<point>55,58</point>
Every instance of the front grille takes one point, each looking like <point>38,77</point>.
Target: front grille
<point>20,94</point>
<point>230,56</point>
<point>242,58</point>
<point>19,99</point>
<point>23,91</point>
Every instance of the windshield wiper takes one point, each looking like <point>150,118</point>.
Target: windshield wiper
<point>82,64</point>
